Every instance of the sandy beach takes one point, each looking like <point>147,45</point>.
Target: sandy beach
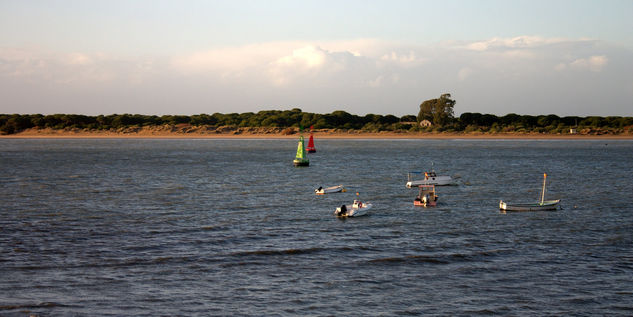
<point>260,133</point>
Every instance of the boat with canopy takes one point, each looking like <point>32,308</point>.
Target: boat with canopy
<point>426,197</point>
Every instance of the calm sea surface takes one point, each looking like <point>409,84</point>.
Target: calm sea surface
<point>230,227</point>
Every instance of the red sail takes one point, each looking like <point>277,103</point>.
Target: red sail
<point>311,148</point>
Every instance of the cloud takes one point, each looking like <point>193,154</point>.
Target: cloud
<point>408,59</point>
<point>464,73</point>
<point>359,74</point>
<point>593,63</point>
<point>36,65</point>
<point>519,42</point>
<point>381,81</point>
<point>308,57</point>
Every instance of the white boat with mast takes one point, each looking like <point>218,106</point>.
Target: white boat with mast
<point>538,206</point>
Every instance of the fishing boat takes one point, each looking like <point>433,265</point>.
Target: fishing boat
<point>430,178</point>
<point>300,159</point>
<point>311,148</point>
<point>357,209</point>
<point>537,206</point>
<point>329,190</point>
<point>426,196</point>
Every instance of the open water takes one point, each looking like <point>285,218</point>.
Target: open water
<point>230,227</point>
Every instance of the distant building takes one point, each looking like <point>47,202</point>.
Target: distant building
<point>425,123</point>
<point>572,131</point>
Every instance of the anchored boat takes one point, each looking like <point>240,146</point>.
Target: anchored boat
<point>426,196</point>
<point>329,190</point>
<point>538,206</point>
<point>430,178</point>
<point>357,209</point>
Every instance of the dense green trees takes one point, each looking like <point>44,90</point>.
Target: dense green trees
<point>438,111</point>
<point>466,122</point>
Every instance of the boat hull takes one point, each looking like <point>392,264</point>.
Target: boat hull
<point>424,204</point>
<point>437,181</point>
<point>353,211</point>
<point>329,190</point>
<point>546,205</point>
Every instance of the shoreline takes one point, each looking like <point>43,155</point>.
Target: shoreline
<point>61,134</point>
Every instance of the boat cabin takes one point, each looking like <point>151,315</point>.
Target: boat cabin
<point>426,196</point>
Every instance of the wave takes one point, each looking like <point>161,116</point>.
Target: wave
<point>440,258</point>
<point>279,252</point>
<point>32,306</point>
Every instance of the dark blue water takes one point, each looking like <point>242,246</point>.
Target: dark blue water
<point>230,227</point>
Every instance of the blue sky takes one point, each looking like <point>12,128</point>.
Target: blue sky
<point>385,57</point>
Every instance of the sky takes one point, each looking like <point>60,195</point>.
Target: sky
<point>189,57</point>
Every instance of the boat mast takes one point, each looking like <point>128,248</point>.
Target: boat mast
<point>543,192</point>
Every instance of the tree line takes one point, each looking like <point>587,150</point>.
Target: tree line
<point>439,112</point>
<point>441,121</point>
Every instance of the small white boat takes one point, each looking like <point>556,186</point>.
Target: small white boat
<point>537,206</point>
<point>329,190</point>
<point>357,209</point>
<point>430,178</point>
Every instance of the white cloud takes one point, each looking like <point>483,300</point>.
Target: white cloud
<point>408,59</point>
<point>593,63</point>
<point>359,74</point>
<point>308,57</point>
<point>464,73</point>
<point>560,67</point>
<point>79,59</point>
<point>383,80</point>
<point>519,42</point>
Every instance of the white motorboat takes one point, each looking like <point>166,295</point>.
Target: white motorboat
<point>430,178</point>
<point>329,190</point>
<point>357,209</point>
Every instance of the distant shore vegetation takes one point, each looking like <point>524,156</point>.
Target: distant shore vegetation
<point>466,123</point>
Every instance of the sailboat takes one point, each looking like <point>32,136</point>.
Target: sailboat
<point>538,206</point>
<point>301,159</point>
<point>311,148</point>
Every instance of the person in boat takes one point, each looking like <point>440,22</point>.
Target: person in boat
<point>320,188</point>
<point>426,175</point>
<point>343,211</point>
